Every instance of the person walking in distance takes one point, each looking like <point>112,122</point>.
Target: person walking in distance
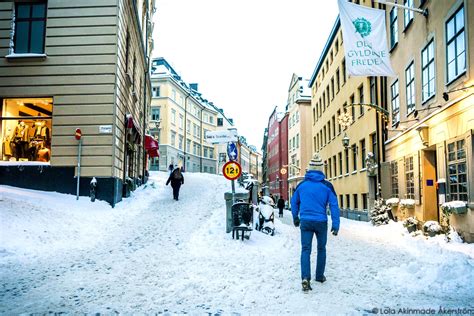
<point>177,179</point>
<point>308,207</point>
<point>281,206</point>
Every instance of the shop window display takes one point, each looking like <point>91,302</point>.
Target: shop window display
<point>26,129</point>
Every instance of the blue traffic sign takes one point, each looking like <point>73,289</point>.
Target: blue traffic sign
<point>232,151</point>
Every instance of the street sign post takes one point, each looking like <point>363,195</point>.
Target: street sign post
<point>232,171</point>
<point>232,151</point>
<point>78,136</point>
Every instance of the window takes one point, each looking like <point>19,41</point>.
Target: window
<point>361,100</point>
<point>393,27</point>
<point>354,157</point>
<point>341,200</point>
<point>211,119</point>
<point>348,201</point>
<point>30,28</point>
<point>352,98</point>
<point>456,45</point>
<point>364,201</point>
<point>211,153</point>
<point>181,120</point>
<point>346,155</point>
<point>332,88</point>
<point>373,90</point>
<point>330,168</point>
<point>356,204</point>
<point>373,140</point>
<point>362,152</point>
<point>408,14</point>
<point>338,125</point>
<point>314,115</point>
<point>343,67</point>
<point>394,178</point>
<point>156,91</point>
<point>409,178</point>
<point>410,87</point>
<point>188,126</point>
<point>220,121</point>
<point>333,126</point>
<point>155,114</point>
<point>457,171</point>
<point>428,72</point>
<point>340,163</point>
<point>173,138</point>
<point>395,103</point>
<point>173,116</point>
<point>337,81</point>
<point>127,50</point>
<point>26,129</point>
<point>180,142</point>
<point>334,163</point>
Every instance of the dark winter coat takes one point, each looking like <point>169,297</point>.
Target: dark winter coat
<point>176,178</point>
<point>311,198</point>
<point>281,203</point>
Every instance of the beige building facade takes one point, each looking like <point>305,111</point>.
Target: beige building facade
<point>84,65</point>
<point>430,145</point>
<point>185,117</point>
<point>299,131</point>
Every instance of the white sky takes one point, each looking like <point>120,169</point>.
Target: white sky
<point>243,53</point>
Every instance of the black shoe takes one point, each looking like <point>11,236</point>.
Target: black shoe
<point>322,280</point>
<point>306,285</point>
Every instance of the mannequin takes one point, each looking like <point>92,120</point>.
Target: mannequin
<point>44,154</point>
<point>20,138</point>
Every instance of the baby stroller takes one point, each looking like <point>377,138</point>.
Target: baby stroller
<point>242,220</point>
<point>266,216</point>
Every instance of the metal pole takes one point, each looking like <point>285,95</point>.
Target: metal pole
<point>233,191</point>
<point>78,168</point>
<point>424,12</point>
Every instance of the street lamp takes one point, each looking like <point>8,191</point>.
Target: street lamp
<point>345,141</point>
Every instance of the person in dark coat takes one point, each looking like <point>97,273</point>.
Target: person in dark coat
<point>280,205</point>
<point>170,168</point>
<point>177,179</point>
<point>309,203</point>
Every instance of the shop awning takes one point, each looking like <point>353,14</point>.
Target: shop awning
<point>151,146</point>
<point>130,123</point>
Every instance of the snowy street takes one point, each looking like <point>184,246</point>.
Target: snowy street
<point>151,254</point>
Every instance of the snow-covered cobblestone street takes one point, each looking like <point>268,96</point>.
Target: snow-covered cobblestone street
<point>151,254</point>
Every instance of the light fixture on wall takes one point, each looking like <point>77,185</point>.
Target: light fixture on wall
<point>446,94</point>
<point>345,141</point>
<point>423,130</point>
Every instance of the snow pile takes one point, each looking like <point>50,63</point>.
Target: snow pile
<point>154,255</point>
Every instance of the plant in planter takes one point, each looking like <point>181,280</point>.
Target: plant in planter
<point>454,207</point>
<point>432,228</point>
<point>410,224</point>
<point>407,203</point>
<point>392,202</point>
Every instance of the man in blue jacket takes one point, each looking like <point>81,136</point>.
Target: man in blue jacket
<point>308,206</point>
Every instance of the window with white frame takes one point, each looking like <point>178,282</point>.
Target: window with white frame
<point>428,72</point>
<point>30,28</point>
<point>173,138</point>
<point>456,45</point>
<point>409,178</point>
<point>457,167</point>
<point>156,91</point>
<point>173,116</point>
<point>181,121</point>
<point>410,87</point>
<point>393,27</point>
<point>395,102</point>
<point>408,14</point>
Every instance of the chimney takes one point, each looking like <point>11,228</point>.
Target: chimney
<point>194,86</point>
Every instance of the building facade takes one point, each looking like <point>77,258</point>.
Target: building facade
<point>277,154</point>
<point>340,113</point>
<point>299,131</point>
<point>429,151</point>
<point>83,66</point>
<point>185,117</point>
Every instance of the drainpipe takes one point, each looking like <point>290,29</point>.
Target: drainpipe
<point>185,130</point>
<point>200,136</point>
<point>146,74</point>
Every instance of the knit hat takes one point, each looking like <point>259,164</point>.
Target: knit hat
<point>316,163</point>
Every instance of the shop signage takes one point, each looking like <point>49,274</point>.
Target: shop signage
<point>105,129</point>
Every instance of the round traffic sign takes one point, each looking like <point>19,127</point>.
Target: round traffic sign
<point>78,133</point>
<point>283,170</point>
<point>232,170</point>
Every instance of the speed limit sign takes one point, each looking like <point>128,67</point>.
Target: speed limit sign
<point>232,170</point>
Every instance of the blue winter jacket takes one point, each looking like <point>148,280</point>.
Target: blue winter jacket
<point>311,198</point>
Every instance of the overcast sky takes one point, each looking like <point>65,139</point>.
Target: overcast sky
<point>243,53</point>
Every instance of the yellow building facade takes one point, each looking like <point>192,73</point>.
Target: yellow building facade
<point>429,151</point>
<point>332,95</point>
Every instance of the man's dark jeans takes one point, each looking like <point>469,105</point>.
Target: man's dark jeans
<point>320,229</point>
